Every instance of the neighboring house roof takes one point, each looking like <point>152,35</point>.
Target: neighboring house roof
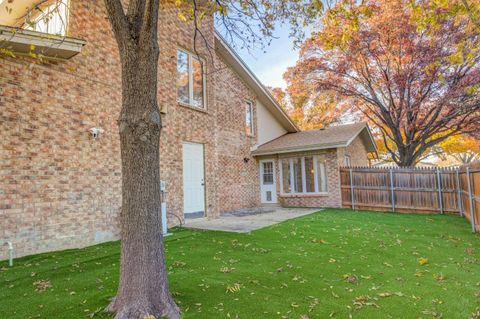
<point>232,59</point>
<point>332,137</point>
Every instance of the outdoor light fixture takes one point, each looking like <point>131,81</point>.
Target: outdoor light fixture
<point>95,131</point>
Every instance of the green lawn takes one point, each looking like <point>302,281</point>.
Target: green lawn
<point>336,263</point>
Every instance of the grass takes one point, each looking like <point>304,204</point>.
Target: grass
<point>335,263</point>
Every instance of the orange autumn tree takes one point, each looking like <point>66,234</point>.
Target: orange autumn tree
<point>411,67</point>
<point>310,111</point>
<point>463,149</point>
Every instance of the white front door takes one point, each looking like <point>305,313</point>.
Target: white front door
<point>268,185</point>
<point>193,179</point>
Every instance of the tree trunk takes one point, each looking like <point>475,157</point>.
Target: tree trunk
<point>143,288</point>
<point>406,161</point>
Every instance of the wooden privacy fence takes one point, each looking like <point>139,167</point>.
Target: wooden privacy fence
<point>442,190</point>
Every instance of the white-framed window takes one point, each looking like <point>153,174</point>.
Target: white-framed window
<point>249,128</point>
<point>267,173</point>
<point>346,160</point>
<point>50,18</point>
<point>303,175</point>
<point>190,79</point>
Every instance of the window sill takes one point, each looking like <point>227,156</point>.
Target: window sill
<point>322,194</point>
<point>191,107</point>
<point>48,46</point>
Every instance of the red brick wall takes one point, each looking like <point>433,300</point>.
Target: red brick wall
<point>238,179</point>
<point>357,152</point>
<point>59,187</point>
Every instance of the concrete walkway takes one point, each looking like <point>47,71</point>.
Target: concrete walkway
<point>245,224</point>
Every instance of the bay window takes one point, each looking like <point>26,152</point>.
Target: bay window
<point>285,174</point>
<point>297,175</point>
<point>303,175</point>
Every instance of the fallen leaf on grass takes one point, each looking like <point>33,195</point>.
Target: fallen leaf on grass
<point>234,288</point>
<point>178,264</point>
<point>469,250</point>
<point>422,261</point>
<point>476,314</point>
<point>226,269</point>
<point>361,301</point>
<point>432,313</point>
<point>318,241</point>
<point>351,278</point>
<point>439,277</point>
<point>419,273</point>
<point>42,285</point>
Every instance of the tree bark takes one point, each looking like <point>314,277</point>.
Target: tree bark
<point>143,287</point>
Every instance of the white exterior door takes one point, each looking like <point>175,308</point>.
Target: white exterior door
<point>193,179</point>
<point>268,185</point>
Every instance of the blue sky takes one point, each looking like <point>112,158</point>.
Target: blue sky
<point>270,66</point>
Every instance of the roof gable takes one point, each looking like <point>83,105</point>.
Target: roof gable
<point>239,66</point>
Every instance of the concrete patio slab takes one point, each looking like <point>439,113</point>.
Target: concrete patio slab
<point>245,224</point>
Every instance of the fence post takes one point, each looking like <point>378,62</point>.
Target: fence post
<point>440,196</point>
<point>392,190</point>
<point>459,194</point>
<point>352,189</point>
<point>470,197</point>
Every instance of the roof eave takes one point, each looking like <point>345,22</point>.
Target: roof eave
<point>298,149</point>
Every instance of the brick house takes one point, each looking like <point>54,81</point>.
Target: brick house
<point>226,144</point>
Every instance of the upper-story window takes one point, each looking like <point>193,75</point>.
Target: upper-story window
<point>51,17</point>
<point>190,79</point>
<point>249,129</point>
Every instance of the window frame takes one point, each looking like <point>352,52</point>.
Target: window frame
<point>190,57</point>
<point>316,160</point>
<point>249,105</point>
<point>46,6</point>
<point>262,172</point>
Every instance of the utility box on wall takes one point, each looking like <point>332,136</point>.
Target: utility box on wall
<point>163,208</point>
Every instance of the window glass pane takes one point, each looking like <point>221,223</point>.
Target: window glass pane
<point>197,82</point>
<point>183,92</point>
<point>267,173</point>
<point>248,118</point>
<point>322,175</point>
<point>309,174</point>
<point>287,188</point>
<point>297,175</point>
